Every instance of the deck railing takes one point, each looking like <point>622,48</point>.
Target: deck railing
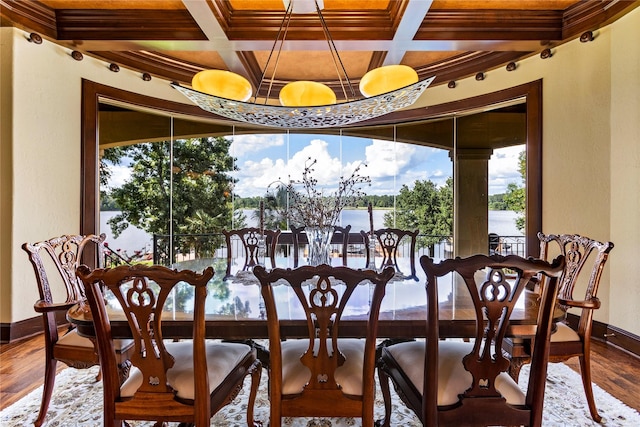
<point>212,245</point>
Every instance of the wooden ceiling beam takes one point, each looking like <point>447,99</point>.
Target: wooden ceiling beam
<point>29,16</point>
<point>357,25</point>
<point>83,24</point>
<point>586,16</point>
<point>491,25</point>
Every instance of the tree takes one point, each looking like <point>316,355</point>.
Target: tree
<point>515,199</point>
<point>196,178</point>
<point>110,156</point>
<point>275,203</point>
<point>426,208</point>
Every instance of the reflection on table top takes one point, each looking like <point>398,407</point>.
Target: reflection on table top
<point>234,310</point>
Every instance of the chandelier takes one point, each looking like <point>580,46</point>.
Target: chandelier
<point>305,104</point>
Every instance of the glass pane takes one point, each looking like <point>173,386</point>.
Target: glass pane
<point>134,182</point>
<point>484,161</point>
<point>507,200</point>
<point>201,197</point>
<point>220,174</point>
<point>424,198</point>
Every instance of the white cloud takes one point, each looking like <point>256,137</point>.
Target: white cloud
<point>385,159</point>
<point>243,144</point>
<point>255,177</point>
<point>327,169</point>
<point>119,175</point>
<point>503,169</point>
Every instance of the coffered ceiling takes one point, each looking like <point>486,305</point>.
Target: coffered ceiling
<point>174,39</point>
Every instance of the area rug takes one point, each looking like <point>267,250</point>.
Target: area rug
<point>77,401</point>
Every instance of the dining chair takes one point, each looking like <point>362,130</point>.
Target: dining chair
<point>448,382</point>
<point>54,263</point>
<point>390,241</point>
<point>573,339</point>
<point>322,374</point>
<point>299,238</point>
<point>249,239</point>
<point>186,381</point>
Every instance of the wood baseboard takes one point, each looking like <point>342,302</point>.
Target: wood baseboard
<point>15,331</point>
<point>611,335</point>
<point>624,340</point>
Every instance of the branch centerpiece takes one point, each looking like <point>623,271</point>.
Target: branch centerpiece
<point>319,211</point>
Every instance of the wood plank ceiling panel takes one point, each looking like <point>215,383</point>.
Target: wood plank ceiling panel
<point>174,39</point>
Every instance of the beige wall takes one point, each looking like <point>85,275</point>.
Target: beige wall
<point>625,174</point>
<point>6,53</point>
<point>44,146</point>
<point>590,141</point>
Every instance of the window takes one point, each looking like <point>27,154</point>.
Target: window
<point>415,146</point>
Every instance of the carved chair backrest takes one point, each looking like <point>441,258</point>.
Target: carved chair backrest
<point>249,238</point>
<point>55,262</point>
<point>323,293</point>
<point>299,238</point>
<point>581,253</point>
<point>389,240</point>
<point>494,284</point>
<point>142,292</point>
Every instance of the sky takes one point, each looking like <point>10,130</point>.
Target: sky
<point>266,159</point>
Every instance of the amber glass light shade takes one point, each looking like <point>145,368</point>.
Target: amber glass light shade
<point>386,79</point>
<point>223,84</point>
<point>305,93</point>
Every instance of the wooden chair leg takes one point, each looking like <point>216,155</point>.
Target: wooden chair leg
<point>585,370</point>
<point>275,415</point>
<point>383,378</point>
<point>256,374</point>
<point>47,390</point>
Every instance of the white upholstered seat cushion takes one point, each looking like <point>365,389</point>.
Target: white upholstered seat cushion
<point>564,333</point>
<point>453,379</point>
<point>73,339</point>
<point>349,376</point>
<point>222,359</point>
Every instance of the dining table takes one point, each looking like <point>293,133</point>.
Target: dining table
<point>234,310</point>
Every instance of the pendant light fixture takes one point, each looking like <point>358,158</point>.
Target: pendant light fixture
<point>304,103</point>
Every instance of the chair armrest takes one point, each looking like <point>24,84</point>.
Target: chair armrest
<point>593,303</point>
<point>46,307</point>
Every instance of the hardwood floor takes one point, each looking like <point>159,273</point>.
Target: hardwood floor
<point>22,370</point>
<point>615,371</point>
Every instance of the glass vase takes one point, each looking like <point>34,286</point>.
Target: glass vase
<point>319,244</point>
<point>371,265</point>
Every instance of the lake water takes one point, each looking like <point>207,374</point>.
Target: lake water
<point>130,240</point>
<point>134,239</point>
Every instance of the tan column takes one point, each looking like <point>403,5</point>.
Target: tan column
<point>471,197</point>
